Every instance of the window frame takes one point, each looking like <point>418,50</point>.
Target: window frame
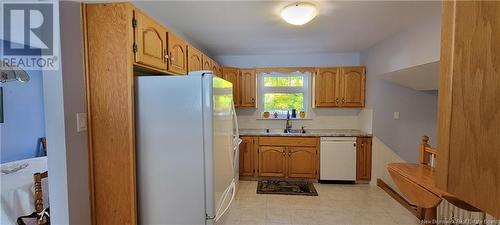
<point>305,89</point>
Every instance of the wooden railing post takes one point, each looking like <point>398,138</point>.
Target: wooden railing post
<point>422,156</point>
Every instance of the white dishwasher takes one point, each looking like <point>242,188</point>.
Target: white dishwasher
<point>337,159</point>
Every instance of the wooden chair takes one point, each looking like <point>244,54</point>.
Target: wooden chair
<point>39,198</point>
<point>38,190</point>
<point>40,211</point>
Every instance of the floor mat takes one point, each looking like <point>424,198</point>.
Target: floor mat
<point>286,187</point>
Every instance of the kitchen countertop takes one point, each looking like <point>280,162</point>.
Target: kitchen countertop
<point>309,133</point>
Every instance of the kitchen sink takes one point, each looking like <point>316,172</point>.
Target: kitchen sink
<point>295,131</point>
<point>279,131</point>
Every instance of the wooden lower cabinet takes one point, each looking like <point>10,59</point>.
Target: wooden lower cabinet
<point>286,157</point>
<point>247,158</point>
<point>363,158</point>
<point>294,157</point>
<point>272,161</point>
<point>302,162</point>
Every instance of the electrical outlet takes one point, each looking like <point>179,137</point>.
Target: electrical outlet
<point>396,115</point>
<point>81,122</point>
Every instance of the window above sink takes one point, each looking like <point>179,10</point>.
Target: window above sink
<point>281,92</point>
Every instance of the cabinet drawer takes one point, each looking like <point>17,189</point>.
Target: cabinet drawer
<point>288,141</point>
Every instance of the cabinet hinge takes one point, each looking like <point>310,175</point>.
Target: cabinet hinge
<point>134,23</point>
<point>134,47</point>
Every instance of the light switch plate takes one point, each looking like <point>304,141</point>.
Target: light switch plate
<point>81,122</point>
<point>396,115</point>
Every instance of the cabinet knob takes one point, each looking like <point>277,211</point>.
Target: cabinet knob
<point>343,100</point>
<point>284,154</point>
<point>337,100</point>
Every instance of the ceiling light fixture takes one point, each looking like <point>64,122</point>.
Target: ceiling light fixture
<point>299,13</point>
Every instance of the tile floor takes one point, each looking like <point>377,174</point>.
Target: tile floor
<point>336,204</point>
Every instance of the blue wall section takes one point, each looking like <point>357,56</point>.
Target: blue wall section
<point>23,118</point>
<point>418,116</point>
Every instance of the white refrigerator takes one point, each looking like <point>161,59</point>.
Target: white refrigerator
<point>187,149</point>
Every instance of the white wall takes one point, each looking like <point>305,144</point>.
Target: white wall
<point>320,119</point>
<point>64,96</point>
<point>55,134</point>
<point>397,140</point>
<point>419,44</point>
<point>290,60</point>
<point>74,102</point>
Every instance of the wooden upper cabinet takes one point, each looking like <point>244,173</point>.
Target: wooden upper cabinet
<point>150,42</point>
<point>352,86</point>
<point>247,158</point>
<point>363,158</point>
<point>216,69</point>
<point>232,75</point>
<point>177,54</point>
<point>207,63</point>
<point>195,59</point>
<point>326,87</point>
<point>272,161</point>
<point>339,87</point>
<point>220,72</point>
<point>247,87</point>
<point>302,162</point>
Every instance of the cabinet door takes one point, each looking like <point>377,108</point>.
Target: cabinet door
<point>177,49</point>
<point>219,71</point>
<point>247,156</point>
<point>326,87</point>
<point>363,158</point>
<point>247,87</point>
<point>150,42</point>
<point>272,161</point>
<point>232,75</point>
<point>195,59</point>
<point>352,80</point>
<point>302,162</point>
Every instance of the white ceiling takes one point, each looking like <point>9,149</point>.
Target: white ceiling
<point>254,27</point>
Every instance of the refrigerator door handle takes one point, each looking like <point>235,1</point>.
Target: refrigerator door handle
<point>236,135</point>
<point>231,187</point>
